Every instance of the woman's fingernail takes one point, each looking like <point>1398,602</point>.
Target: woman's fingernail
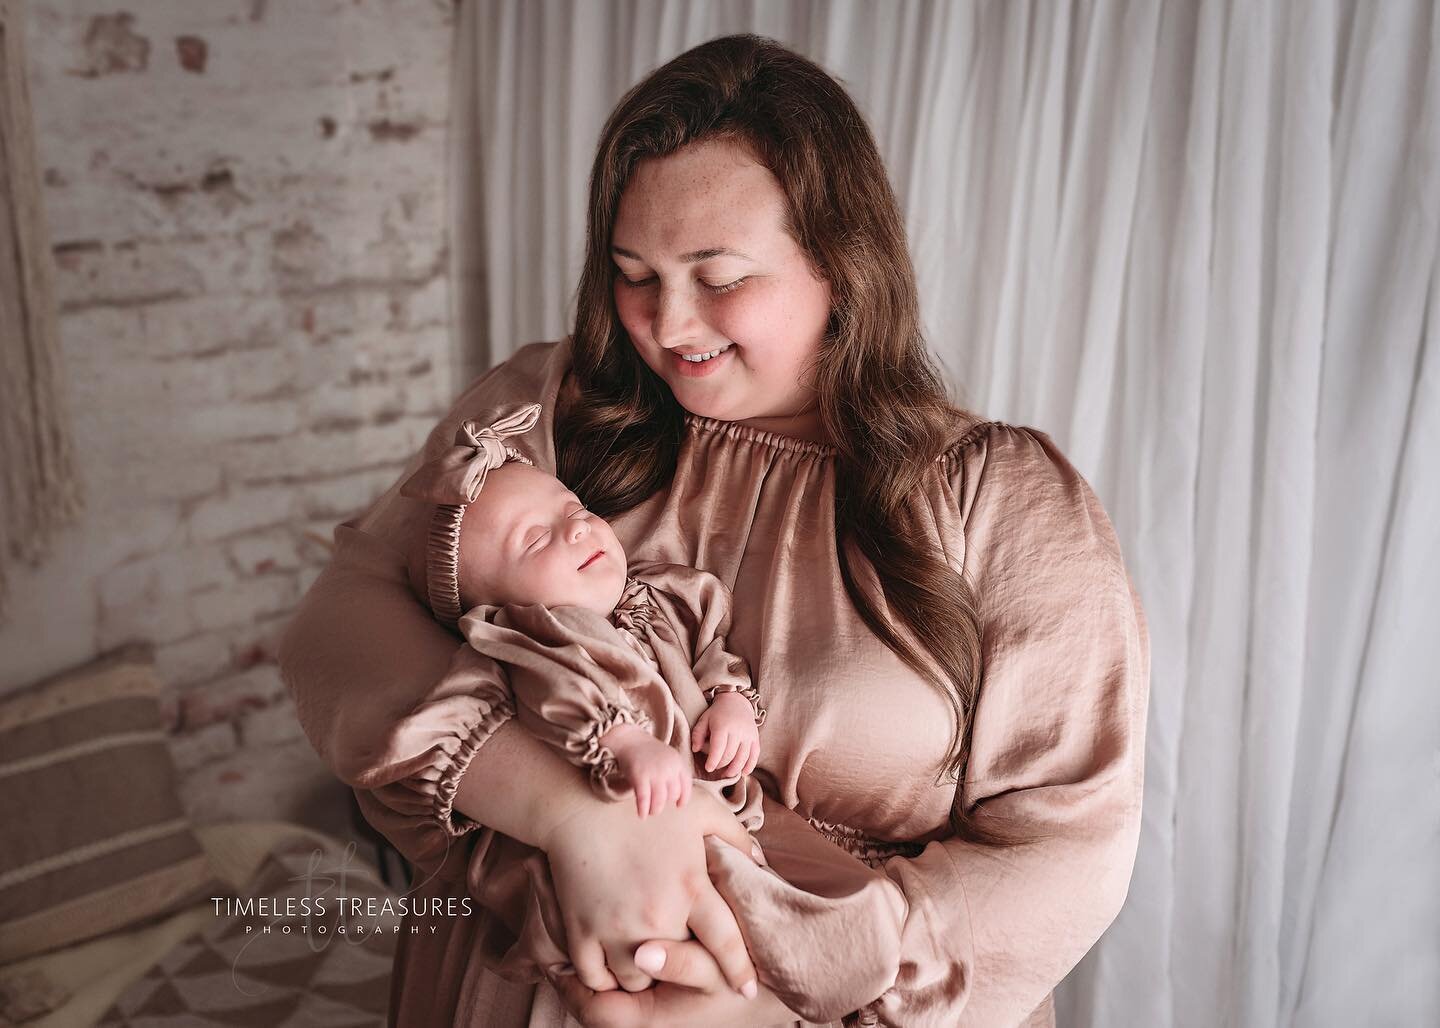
<point>748,990</point>
<point>649,958</point>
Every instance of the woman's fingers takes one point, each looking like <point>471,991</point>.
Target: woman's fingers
<point>716,929</point>
<point>688,965</point>
<point>573,993</point>
<point>589,960</point>
<point>621,963</point>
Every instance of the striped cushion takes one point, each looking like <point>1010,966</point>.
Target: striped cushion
<point>94,836</point>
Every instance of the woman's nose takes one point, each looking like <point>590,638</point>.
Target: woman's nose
<point>674,323</point>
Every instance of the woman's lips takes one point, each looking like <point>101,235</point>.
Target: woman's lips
<point>593,558</point>
<point>690,369</point>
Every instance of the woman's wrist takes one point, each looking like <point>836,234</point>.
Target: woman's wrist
<point>522,788</point>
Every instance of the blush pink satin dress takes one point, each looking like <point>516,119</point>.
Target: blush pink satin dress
<point>853,742</point>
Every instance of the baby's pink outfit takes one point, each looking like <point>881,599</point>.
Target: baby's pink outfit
<point>575,674</point>
<point>657,662</point>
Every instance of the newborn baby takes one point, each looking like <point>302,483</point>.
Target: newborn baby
<point>543,581</point>
<point>611,666</point>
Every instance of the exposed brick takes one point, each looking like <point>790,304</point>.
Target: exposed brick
<point>277,783</point>
<point>195,749</point>
<point>195,658</point>
<point>255,331</point>
<point>111,46</point>
<point>272,725</point>
<point>242,510</point>
<point>230,698</point>
<point>265,552</point>
<point>239,603</point>
<point>192,52</point>
<point>148,598</point>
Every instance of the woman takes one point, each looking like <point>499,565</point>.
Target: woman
<point>934,606</point>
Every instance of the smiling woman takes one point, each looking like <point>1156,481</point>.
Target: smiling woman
<point>747,395</point>
<point>716,296</point>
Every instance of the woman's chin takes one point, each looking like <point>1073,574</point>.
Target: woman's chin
<point>707,402</point>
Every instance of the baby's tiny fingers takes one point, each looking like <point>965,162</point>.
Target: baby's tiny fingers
<point>712,756</point>
<point>732,746</point>
<point>642,798</point>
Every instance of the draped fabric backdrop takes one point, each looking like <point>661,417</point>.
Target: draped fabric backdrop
<point>1196,243</point>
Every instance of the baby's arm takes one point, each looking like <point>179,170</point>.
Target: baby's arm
<point>728,732</point>
<point>657,774</point>
<point>728,735</point>
<point>580,689</point>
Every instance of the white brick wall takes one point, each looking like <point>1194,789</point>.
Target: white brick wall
<point>247,206</point>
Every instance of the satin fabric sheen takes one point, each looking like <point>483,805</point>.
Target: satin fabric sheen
<point>854,740</point>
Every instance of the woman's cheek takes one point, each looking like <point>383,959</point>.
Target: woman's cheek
<point>629,308</point>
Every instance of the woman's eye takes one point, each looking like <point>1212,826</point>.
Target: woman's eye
<point>723,288</point>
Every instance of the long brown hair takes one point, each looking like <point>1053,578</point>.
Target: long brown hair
<point>881,399</point>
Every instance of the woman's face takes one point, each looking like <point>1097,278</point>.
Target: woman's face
<point>706,268</point>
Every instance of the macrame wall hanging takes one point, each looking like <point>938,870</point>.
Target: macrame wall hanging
<point>39,486</point>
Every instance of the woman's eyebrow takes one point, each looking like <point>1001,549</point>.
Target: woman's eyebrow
<point>691,258</point>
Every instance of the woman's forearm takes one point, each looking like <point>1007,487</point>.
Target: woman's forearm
<point>522,788</point>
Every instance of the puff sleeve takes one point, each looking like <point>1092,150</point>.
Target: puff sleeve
<point>573,679</point>
<point>1057,748</point>
<point>391,701</point>
<point>700,607</point>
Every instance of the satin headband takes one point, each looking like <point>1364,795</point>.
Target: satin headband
<point>452,481</point>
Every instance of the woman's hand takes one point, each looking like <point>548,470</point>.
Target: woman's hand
<point>621,881</point>
<point>690,990</point>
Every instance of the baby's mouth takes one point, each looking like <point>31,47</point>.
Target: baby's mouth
<point>592,559</point>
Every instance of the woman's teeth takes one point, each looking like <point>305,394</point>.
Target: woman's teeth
<point>698,358</point>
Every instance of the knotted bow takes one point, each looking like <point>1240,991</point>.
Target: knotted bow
<point>457,475</point>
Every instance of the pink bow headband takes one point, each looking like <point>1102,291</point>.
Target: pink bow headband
<point>452,481</point>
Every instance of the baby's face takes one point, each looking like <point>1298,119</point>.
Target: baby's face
<point>528,539</point>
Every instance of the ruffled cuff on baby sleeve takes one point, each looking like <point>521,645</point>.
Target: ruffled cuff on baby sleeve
<point>749,692</point>
<point>605,776</point>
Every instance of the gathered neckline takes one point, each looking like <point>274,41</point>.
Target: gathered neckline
<point>749,434</point>
<point>774,440</point>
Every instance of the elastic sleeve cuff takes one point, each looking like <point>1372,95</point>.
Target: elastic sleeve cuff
<point>750,693</point>
<point>605,777</point>
<point>452,767</point>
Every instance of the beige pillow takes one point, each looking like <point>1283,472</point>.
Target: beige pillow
<point>94,838</point>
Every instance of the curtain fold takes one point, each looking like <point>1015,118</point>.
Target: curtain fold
<point>1197,243</point>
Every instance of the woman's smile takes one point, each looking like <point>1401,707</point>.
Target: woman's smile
<point>710,285</point>
<point>700,364</point>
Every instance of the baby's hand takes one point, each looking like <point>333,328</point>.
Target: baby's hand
<point>726,732</point>
<point>656,773</point>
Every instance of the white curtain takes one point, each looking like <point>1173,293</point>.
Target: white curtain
<point>1197,243</point>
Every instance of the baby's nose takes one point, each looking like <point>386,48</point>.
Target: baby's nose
<point>579,529</point>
